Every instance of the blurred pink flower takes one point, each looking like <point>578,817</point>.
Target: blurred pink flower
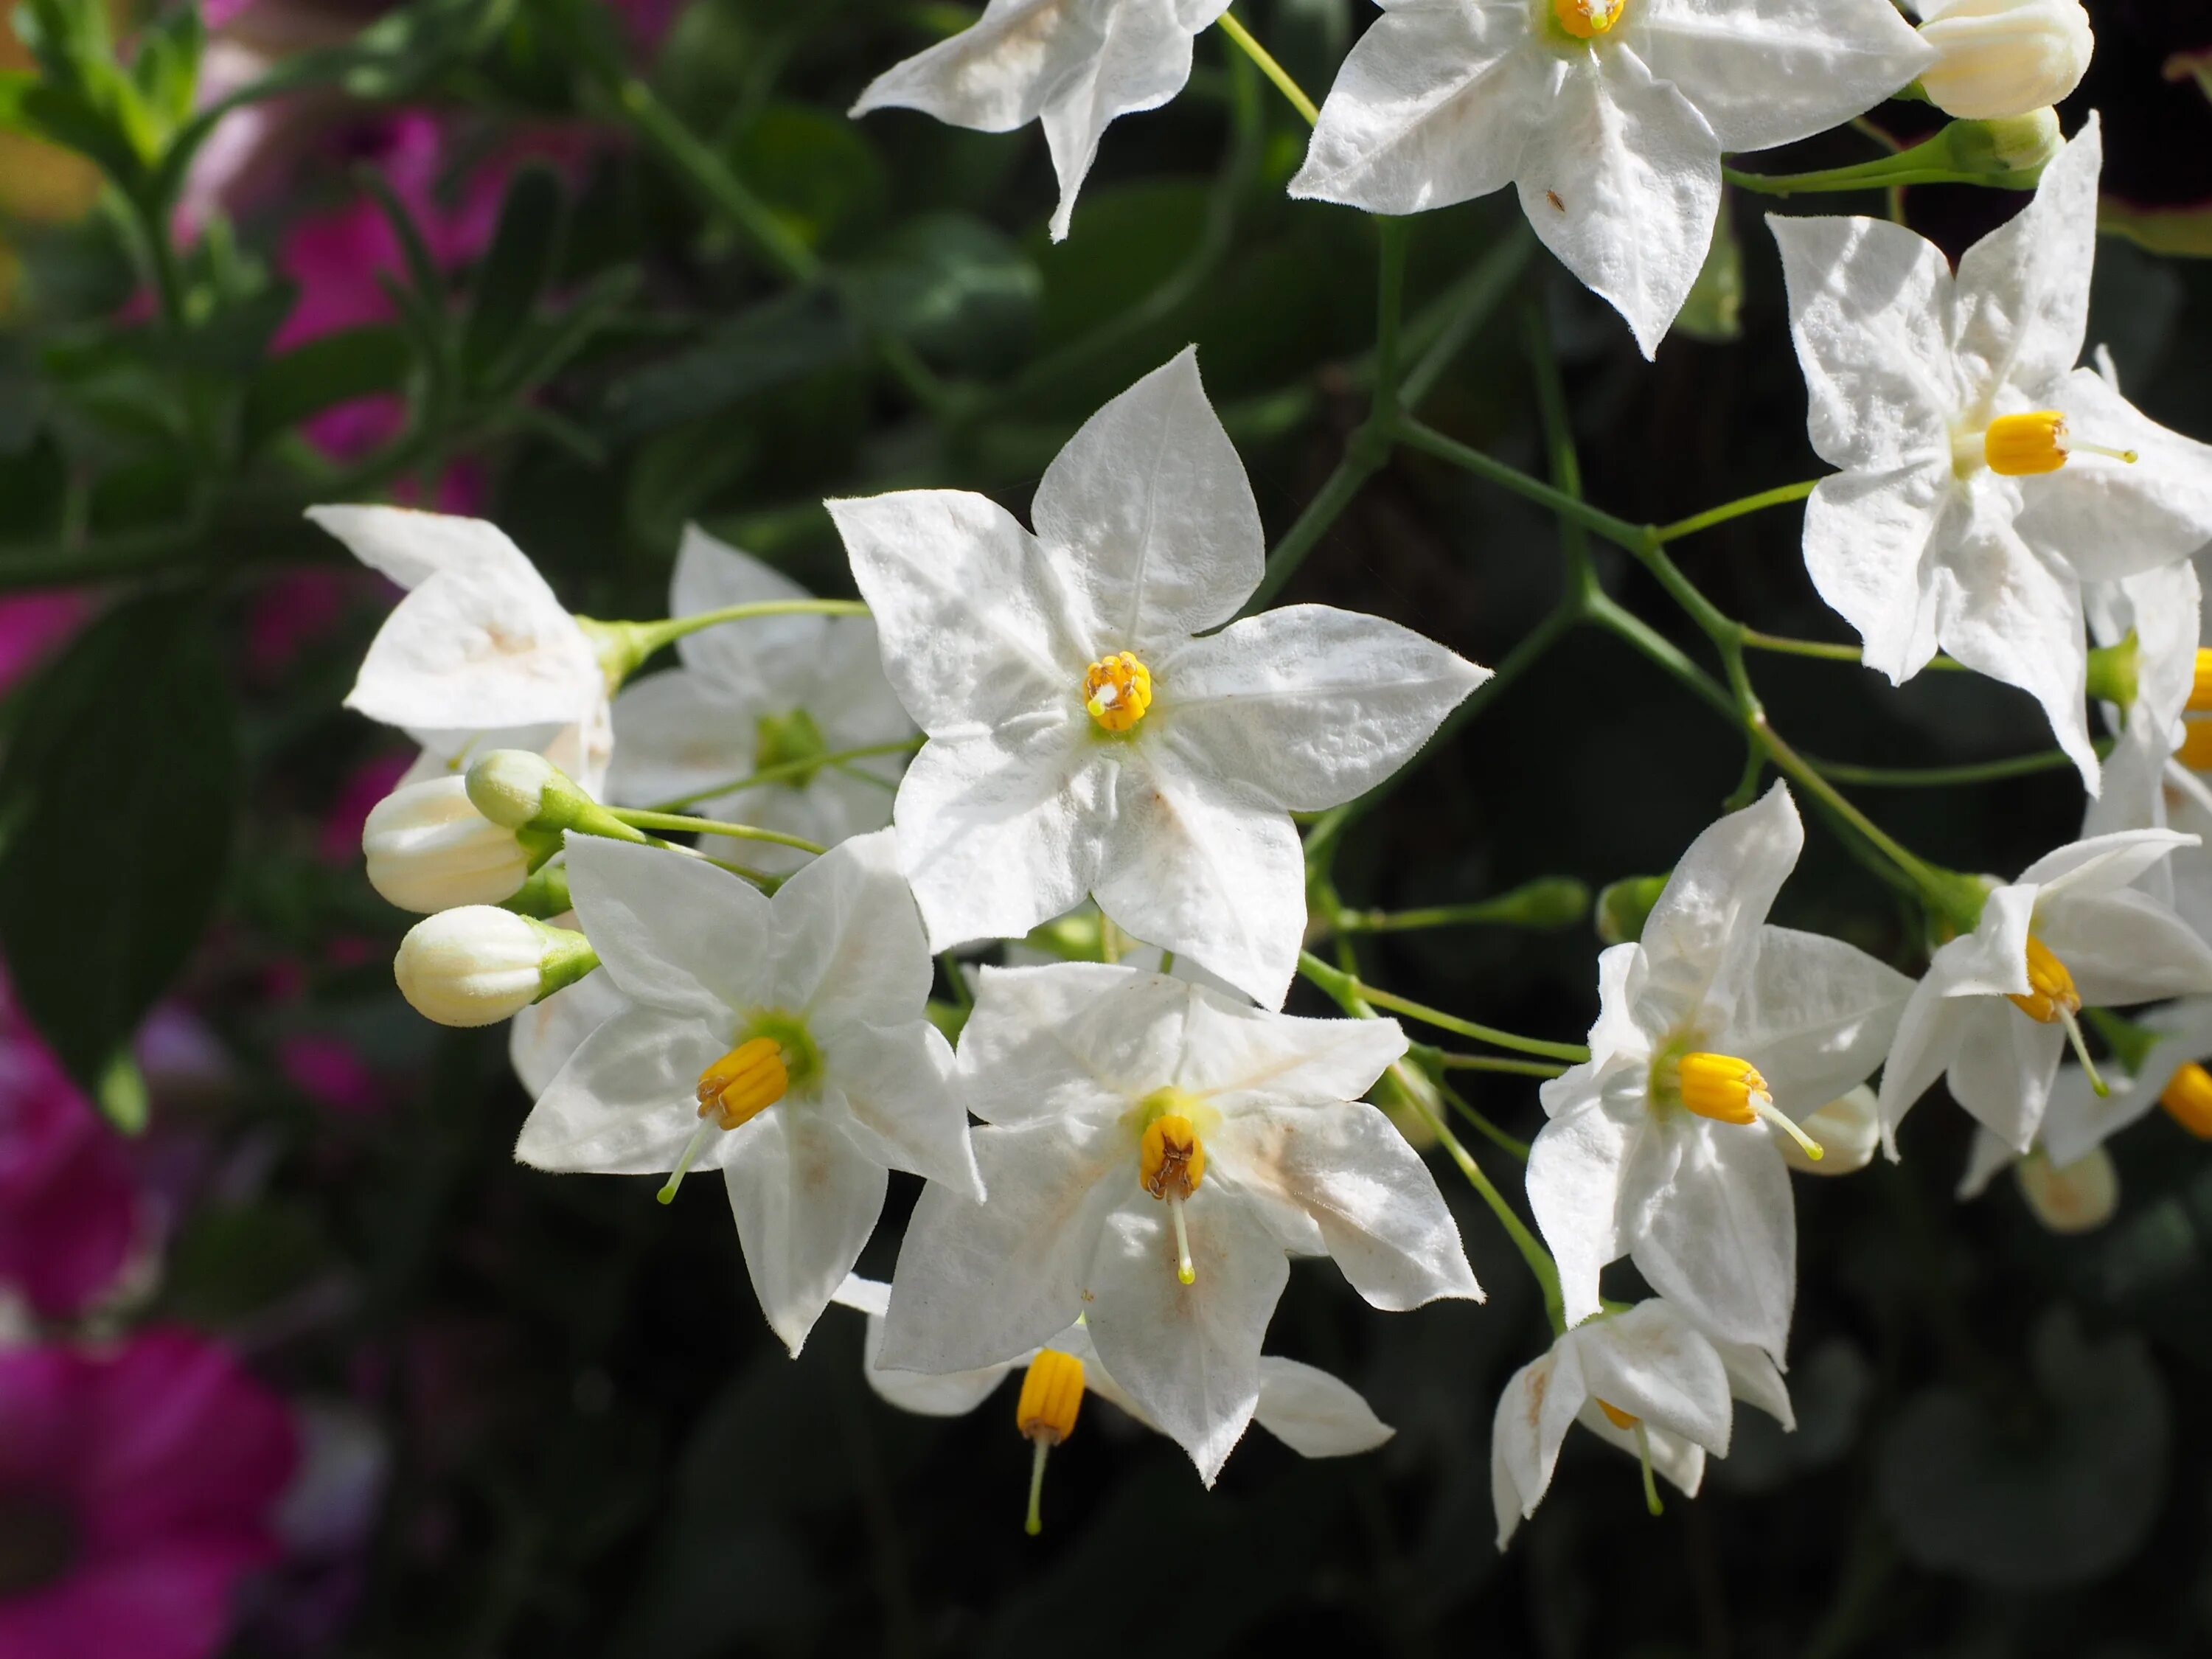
<point>367,784</point>
<point>331,1071</point>
<point>68,1200</point>
<point>34,625</point>
<point>291,612</point>
<point>137,1487</point>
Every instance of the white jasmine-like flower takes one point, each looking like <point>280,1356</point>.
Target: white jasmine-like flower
<point>480,655</point>
<point>780,1041</point>
<point>1715,1033</point>
<point>771,692</point>
<point>428,849</point>
<point>1155,1153</point>
<point>1997,1005</point>
<point>1072,65</point>
<point>1997,59</point>
<point>1847,1130</point>
<point>1312,1412</point>
<point>1985,478</point>
<point>1610,117</point>
<point>1082,737</point>
<point>477,964</point>
<point>1647,1381</point>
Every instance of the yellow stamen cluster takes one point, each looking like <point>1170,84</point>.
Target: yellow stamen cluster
<point>1117,691</point>
<point>2051,994</point>
<point>2187,1098</point>
<point>2021,446</point>
<point>1170,1159</point>
<point>1730,1090</point>
<point>1052,1393</point>
<point>1587,19</point>
<point>2200,685</point>
<point>2196,750</point>
<point>743,1082</point>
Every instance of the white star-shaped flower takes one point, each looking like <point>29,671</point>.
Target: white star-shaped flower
<point>1985,477</point>
<point>772,691</point>
<point>1309,1411</point>
<point>1996,1006</point>
<point>1610,116</point>
<point>2146,782</point>
<point>782,1041</point>
<point>1074,66</point>
<point>1087,734</point>
<point>1155,1153</point>
<point>1714,1032</point>
<point>480,655</point>
<point>1647,1381</point>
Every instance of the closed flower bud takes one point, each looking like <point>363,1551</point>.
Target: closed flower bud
<point>2004,57</point>
<point>2078,1198</point>
<point>534,798</point>
<point>1848,1129</point>
<point>428,849</point>
<point>478,965</point>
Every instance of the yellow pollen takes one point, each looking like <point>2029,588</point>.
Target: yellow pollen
<point>1586,19</point>
<point>2187,1098</point>
<point>2200,688</point>
<point>1117,691</point>
<point>743,1082</point>
<point>2050,987</point>
<point>2196,750</point>
<point>1730,1090</point>
<point>1052,1393</point>
<point>2020,445</point>
<point>1619,1418</point>
<point>1170,1159</point>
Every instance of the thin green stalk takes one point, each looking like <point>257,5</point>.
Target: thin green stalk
<point>1339,985</point>
<point>1320,516</point>
<point>646,638</point>
<point>1606,612</point>
<point>1933,777</point>
<point>700,167</point>
<point>678,823</point>
<point>784,771</point>
<point>1450,1061</point>
<point>1780,495</point>
<point>1825,651</point>
<point>1432,442</point>
<point>1442,330</point>
<point>963,998</point>
<point>1505,910</point>
<point>1268,67</point>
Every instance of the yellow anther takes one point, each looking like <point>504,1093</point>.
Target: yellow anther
<point>2020,445</point>
<point>1731,1091</point>
<point>743,1082</point>
<point>1170,1159</point>
<point>2196,750</point>
<point>2051,994</point>
<point>1117,691</point>
<point>2200,686</point>
<point>1052,1393</point>
<point>2187,1098</point>
<point>1586,19</point>
<point>1619,1418</point>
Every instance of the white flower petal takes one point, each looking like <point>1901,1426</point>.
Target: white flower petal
<point>1076,1040</point>
<point>2022,296</point>
<point>675,932</point>
<point>712,575</point>
<point>411,546</point>
<point>2107,517</point>
<point>2098,863</point>
<point>977,1283</point>
<point>954,1393</point>
<point>1237,1057</point>
<point>999,74</point>
<point>677,735</point>
<point>1621,179</point>
<point>1817,1019</point>
<point>2126,947</point>
<point>1701,941</point>
<point>1874,541</point>
<point>1712,1225</point>
<point>1309,705</point>
<point>1187,1354</point>
<point>1680,1463</point>
<point>627,1102</point>
<point>1987,1158</point>
<point>541,1038</point>
<point>1653,1364</point>
<point>1534,1412</point>
<point>1754,1378</point>
<point>806,1199</point>
<point>1576,1169</point>
<point>848,943</point>
<point>897,1084</point>
<point>1199,866</point>
<point>2002,1067</point>
<point>1992,960</point>
<point>1376,1202</point>
<point>1315,1414</point>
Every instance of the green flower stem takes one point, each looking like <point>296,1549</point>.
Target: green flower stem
<point>1546,902</point>
<point>1620,531</point>
<point>1339,985</point>
<point>701,167</point>
<point>1443,329</point>
<point>787,771</point>
<point>1447,1061</point>
<point>1780,495</point>
<point>1827,652</point>
<point>1481,1125</point>
<point>1268,67</point>
<point>1932,777</point>
<point>625,645</point>
<point>677,824</point>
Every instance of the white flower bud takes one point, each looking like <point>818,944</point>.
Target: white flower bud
<point>2077,1198</point>
<point>2004,57</point>
<point>478,965</point>
<point>510,785</point>
<point>430,849</point>
<point>1848,1130</point>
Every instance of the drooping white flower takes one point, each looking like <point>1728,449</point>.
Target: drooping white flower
<point>768,692</point>
<point>1647,1381</point>
<point>1996,1006</point>
<point>1999,58</point>
<point>1985,478</point>
<point>1072,65</point>
<point>1084,737</point>
<point>1714,1033</point>
<point>1609,116</point>
<point>782,1041</point>
<point>1312,1412</point>
<point>1155,1153</point>
<point>480,655</point>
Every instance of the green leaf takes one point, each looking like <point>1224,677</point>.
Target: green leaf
<point>119,798</point>
<point>770,346</point>
<point>819,175</point>
<point>326,372</point>
<point>515,269</point>
<point>957,288</point>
